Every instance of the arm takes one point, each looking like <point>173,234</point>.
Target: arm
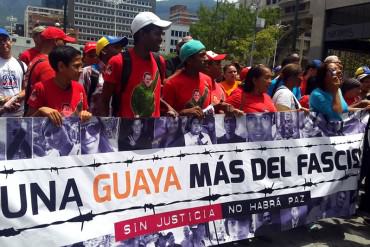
<point>108,90</point>
<point>54,116</point>
<point>337,104</point>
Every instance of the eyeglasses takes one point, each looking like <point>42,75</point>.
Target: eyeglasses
<point>93,129</point>
<point>48,133</point>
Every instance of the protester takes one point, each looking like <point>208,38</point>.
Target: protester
<point>363,75</point>
<point>230,82</point>
<point>11,78</point>
<point>295,59</point>
<point>89,56</point>
<point>174,63</point>
<point>140,95</point>
<point>188,92</point>
<point>327,98</point>
<point>284,98</point>
<point>62,95</point>
<point>253,96</point>
<point>39,68</point>
<point>351,90</point>
<point>28,55</point>
<point>244,72</point>
<point>214,70</point>
<point>309,83</point>
<point>92,76</point>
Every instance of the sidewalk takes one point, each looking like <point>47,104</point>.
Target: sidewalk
<point>335,232</point>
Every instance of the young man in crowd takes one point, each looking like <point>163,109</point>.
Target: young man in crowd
<point>214,70</point>
<point>61,96</point>
<point>31,53</point>
<point>39,68</point>
<point>174,63</point>
<point>11,78</point>
<point>89,56</point>
<point>147,30</point>
<point>92,76</point>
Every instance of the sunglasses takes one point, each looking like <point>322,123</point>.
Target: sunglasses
<point>93,129</point>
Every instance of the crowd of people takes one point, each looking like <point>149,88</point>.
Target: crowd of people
<point>55,80</point>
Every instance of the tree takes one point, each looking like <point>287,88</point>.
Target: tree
<point>228,29</point>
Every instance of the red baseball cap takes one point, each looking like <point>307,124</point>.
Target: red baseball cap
<point>56,33</point>
<point>244,72</point>
<point>89,46</point>
<point>214,56</point>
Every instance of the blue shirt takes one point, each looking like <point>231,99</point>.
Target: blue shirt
<point>296,90</point>
<point>322,102</point>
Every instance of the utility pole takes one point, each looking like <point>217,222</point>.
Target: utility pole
<point>65,22</point>
<point>295,26</point>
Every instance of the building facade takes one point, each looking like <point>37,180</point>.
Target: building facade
<point>261,3</point>
<point>179,14</point>
<point>54,4</point>
<point>172,35</point>
<point>95,18</point>
<point>34,16</point>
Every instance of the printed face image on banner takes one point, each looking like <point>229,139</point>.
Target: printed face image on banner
<point>2,138</point>
<point>54,141</point>
<point>168,132</point>
<point>287,125</point>
<point>355,123</point>
<point>135,134</point>
<point>293,217</point>
<point>317,209</point>
<point>99,135</point>
<point>309,126</point>
<point>230,129</point>
<point>233,229</point>
<point>266,222</point>
<point>339,204</point>
<point>19,138</point>
<point>260,127</point>
<point>199,131</point>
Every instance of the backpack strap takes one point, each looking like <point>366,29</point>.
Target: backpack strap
<point>126,72</point>
<point>22,66</point>
<point>28,84</point>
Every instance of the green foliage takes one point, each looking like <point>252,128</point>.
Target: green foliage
<point>228,29</point>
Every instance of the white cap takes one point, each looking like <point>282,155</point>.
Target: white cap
<point>145,18</point>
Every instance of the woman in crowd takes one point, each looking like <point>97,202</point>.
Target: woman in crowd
<point>230,82</point>
<point>327,97</point>
<point>253,97</point>
<point>94,138</point>
<point>283,97</point>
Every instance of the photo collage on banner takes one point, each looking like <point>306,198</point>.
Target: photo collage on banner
<point>38,137</point>
<point>239,227</point>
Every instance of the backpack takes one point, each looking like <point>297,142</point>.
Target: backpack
<point>22,66</point>
<point>126,72</point>
<point>28,85</point>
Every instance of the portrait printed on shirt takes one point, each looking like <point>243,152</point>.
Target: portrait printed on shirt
<point>197,99</point>
<point>99,135</point>
<point>135,134</point>
<point>230,129</point>
<point>168,132</point>
<point>54,141</point>
<point>142,97</point>
<point>293,217</point>
<point>18,138</point>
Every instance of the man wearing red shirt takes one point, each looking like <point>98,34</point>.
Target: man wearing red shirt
<point>189,91</point>
<point>140,95</point>
<point>62,95</point>
<point>31,53</point>
<point>39,68</point>
<point>214,70</point>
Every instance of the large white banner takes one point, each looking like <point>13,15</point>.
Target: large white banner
<point>194,182</point>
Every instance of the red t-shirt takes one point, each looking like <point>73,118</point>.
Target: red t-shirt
<point>47,93</point>
<point>217,93</point>
<point>42,72</point>
<point>252,103</point>
<point>28,55</point>
<point>142,94</point>
<point>182,91</point>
